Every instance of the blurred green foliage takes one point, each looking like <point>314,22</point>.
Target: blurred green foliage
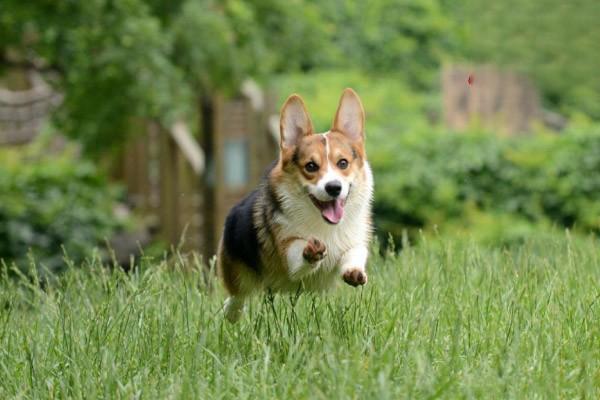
<point>155,58</point>
<point>408,37</point>
<point>499,187</point>
<point>121,59</point>
<point>117,59</point>
<point>49,205</point>
<point>555,42</point>
<point>111,57</point>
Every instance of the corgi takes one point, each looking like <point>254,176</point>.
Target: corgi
<point>308,224</point>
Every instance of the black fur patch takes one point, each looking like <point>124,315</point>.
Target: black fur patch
<point>240,236</point>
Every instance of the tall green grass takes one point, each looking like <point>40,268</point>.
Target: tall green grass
<point>446,319</point>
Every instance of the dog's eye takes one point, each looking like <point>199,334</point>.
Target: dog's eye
<point>311,167</point>
<point>342,164</point>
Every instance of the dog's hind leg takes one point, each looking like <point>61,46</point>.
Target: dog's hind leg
<point>238,289</point>
<point>237,282</point>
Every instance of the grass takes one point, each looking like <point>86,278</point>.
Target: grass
<point>445,319</point>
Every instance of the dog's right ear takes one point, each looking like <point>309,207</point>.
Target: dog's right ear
<point>294,122</point>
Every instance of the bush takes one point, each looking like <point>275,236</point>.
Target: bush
<point>50,205</point>
<point>487,185</point>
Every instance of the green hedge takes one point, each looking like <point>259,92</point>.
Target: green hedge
<point>52,206</point>
<point>500,188</point>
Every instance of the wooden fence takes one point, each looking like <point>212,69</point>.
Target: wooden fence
<point>500,100</point>
<point>162,170</point>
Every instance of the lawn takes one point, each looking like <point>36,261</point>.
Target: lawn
<point>444,319</point>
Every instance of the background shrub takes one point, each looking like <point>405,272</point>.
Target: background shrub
<point>472,181</point>
<point>50,204</point>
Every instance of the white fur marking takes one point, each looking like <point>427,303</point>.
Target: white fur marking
<point>355,258</point>
<point>295,258</point>
<point>298,267</point>
<point>318,190</point>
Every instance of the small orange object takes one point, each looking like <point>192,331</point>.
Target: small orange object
<point>470,79</point>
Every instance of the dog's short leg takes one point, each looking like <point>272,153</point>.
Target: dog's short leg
<point>353,266</point>
<point>233,308</point>
<point>304,256</point>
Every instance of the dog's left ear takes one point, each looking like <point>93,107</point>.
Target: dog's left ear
<point>350,116</point>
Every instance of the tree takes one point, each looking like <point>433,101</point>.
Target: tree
<point>555,42</point>
<point>112,59</point>
<point>121,58</point>
<point>406,37</point>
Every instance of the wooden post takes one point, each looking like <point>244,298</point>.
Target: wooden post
<point>168,187</point>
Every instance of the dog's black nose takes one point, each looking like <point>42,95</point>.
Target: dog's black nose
<point>333,188</point>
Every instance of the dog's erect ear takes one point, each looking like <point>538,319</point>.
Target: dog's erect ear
<point>350,116</point>
<point>295,122</point>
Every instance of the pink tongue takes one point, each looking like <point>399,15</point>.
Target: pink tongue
<point>333,211</point>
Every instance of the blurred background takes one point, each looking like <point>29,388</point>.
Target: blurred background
<point>131,126</point>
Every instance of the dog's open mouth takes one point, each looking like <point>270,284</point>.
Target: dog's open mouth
<point>332,211</point>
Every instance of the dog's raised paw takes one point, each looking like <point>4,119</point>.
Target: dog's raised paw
<point>314,251</point>
<point>355,277</point>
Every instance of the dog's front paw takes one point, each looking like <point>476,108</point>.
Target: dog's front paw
<point>355,277</point>
<point>314,251</point>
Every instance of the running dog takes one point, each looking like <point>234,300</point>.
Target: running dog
<point>308,224</point>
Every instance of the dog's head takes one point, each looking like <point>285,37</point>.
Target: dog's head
<point>325,166</point>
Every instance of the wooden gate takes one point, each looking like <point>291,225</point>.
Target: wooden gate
<point>162,170</point>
